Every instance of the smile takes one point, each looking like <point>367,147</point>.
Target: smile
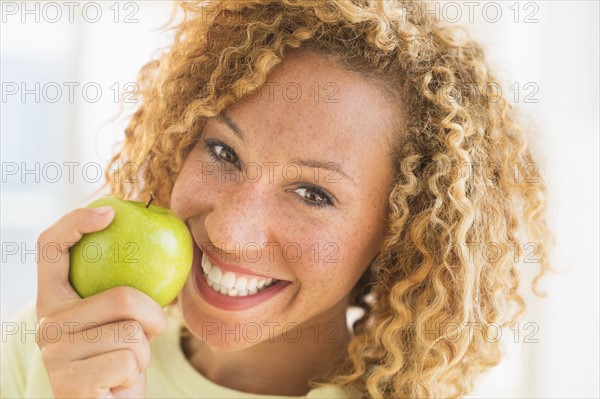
<point>232,287</point>
<point>233,284</point>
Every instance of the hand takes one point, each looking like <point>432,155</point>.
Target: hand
<point>98,346</point>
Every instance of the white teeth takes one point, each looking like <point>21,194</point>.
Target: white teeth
<point>228,280</point>
<point>241,283</point>
<point>206,266</point>
<point>227,283</point>
<point>215,275</point>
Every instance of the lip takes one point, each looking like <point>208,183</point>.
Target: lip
<point>225,267</point>
<point>225,302</point>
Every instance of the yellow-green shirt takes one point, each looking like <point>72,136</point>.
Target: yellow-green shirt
<point>169,375</point>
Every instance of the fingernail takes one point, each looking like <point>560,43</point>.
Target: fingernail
<point>103,210</point>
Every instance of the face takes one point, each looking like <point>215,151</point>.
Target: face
<point>285,195</point>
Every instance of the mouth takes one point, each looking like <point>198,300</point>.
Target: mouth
<point>229,287</point>
<point>231,283</point>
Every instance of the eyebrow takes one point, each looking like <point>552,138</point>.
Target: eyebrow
<point>331,166</point>
<point>238,132</point>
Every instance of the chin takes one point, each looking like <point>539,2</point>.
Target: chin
<point>219,332</point>
<point>227,336</point>
<point>224,342</point>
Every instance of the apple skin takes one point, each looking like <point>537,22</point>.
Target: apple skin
<point>149,249</point>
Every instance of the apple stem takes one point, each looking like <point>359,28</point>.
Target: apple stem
<point>150,200</point>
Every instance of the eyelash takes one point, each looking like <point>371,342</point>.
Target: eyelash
<point>327,201</point>
<point>210,145</point>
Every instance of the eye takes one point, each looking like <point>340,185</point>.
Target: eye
<point>220,152</point>
<point>314,196</point>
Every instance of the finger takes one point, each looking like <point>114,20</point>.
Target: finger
<point>97,340</point>
<point>113,305</point>
<point>54,288</point>
<point>94,377</point>
<point>137,391</point>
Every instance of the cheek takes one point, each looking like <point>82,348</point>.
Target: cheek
<point>180,195</point>
<point>341,253</point>
<point>192,188</point>
<point>332,259</point>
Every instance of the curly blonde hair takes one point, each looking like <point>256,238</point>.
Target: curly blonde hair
<point>454,194</point>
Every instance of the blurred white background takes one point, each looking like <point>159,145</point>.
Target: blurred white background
<point>63,64</point>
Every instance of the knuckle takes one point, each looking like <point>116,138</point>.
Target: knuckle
<point>62,381</point>
<point>39,337</point>
<point>145,356</point>
<point>142,349</point>
<point>130,380</point>
<point>41,331</point>
<point>162,321</point>
<point>136,341</point>
<point>59,390</point>
<point>136,333</point>
<point>49,355</point>
<point>51,358</point>
<point>123,298</point>
<point>73,213</point>
<point>44,236</point>
<point>45,321</point>
<point>129,362</point>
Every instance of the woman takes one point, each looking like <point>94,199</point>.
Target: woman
<point>324,155</point>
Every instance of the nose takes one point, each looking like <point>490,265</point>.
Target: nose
<point>239,223</point>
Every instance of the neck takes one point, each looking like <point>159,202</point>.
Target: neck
<point>282,365</point>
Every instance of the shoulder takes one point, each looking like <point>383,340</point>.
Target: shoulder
<point>330,392</point>
<point>23,373</point>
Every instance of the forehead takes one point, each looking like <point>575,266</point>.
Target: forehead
<point>308,97</point>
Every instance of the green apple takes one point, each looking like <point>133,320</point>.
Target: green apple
<point>146,247</point>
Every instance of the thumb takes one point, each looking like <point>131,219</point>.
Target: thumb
<point>54,289</point>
